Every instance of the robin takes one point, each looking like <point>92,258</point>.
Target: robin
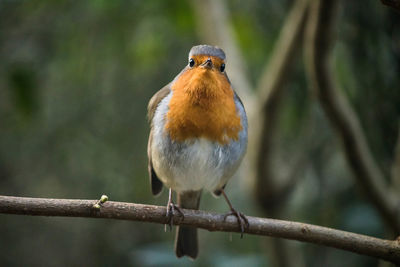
<point>197,140</point>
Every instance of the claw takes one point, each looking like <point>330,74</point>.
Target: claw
<point>242,220</point>
<point>171,207</point>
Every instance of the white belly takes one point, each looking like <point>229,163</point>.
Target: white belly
<point>197,165</point>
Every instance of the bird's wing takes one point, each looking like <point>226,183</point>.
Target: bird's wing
<point>155,100</point>
<point>238,98</point>
<point>156,184</point>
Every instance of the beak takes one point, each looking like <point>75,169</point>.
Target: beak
<point>207,64</point>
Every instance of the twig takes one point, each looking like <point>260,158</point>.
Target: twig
<point>103,199</point>
<point>385,249</point>
<point>341,114</point>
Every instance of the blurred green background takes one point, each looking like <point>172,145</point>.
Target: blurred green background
<point>75,79</point>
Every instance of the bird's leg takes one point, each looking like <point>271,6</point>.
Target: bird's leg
<point>242,220</point>
<point>171,207</point>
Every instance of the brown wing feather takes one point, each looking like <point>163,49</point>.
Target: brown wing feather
<point>156,184</point>
<point>155,100</point>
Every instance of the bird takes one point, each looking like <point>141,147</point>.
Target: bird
<point>198,138</point>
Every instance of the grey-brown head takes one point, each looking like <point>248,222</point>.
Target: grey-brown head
<point>208,50</point>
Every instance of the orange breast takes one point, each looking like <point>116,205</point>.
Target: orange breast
<point>203,105</point>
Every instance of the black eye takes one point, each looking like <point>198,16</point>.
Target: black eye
<point>191,62</point>
<point>222,68</point>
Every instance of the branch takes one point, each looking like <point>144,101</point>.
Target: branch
<point>341,114</point>
<point>385,249</point>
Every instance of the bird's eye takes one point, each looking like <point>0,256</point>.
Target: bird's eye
<point>222,68</point>
<point>191,62</point>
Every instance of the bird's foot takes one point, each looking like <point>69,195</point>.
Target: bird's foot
<point>171,208</point>
<point>242,220</point>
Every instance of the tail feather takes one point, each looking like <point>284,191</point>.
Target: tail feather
<point>186,237</point>
<point>186,242</point>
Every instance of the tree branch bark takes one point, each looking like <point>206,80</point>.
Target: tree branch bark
<point>384,249</point>
<point>319,42</point>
